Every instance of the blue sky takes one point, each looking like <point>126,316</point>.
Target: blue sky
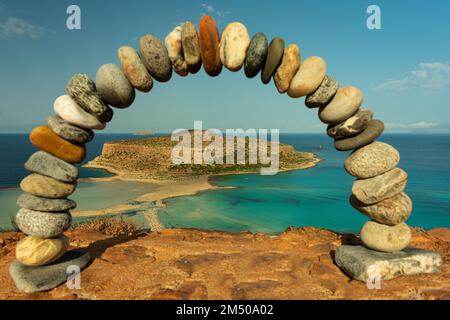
<point>403,69</point>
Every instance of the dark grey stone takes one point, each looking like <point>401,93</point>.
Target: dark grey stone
<point>374,129</point>
<point>43,278</point>
<point>43,225</point>
<point>114,87</point>
<point>256,55</point>
<point>352,126</point>
<point>82,89</point>
<point>364,264</point>
<point>274,57</point>
<point>48,165</point>
<point>31,202</point>
<point>324,94</point>
<point>68,131</point>
<point>156,58</point>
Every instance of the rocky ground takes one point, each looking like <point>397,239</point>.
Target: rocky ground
<point>194,264</point>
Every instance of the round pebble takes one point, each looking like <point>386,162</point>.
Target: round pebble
<point>372,160</point>
<point>31,202</point>
<point>288,68</point>
<point>384,238</point>
<point>134,69</point>
<point>48,165</point>
<point>46,187</point>
<point>308,78</point>
<point>352,126</point>
<point>233,46</point>
<point>209,46</point>
<point>69,132</point>
<point>39,252</point>
<point>114,87</point>
<point>156,58</point>
<point>391,211</point>
<point>191,47</point>
<point>374,129</point>
<point>256,55</point>
<point>42,225</point>
<point>274,57</point>
<point>345,104</point>
<point>83,91</point>
<point>175,51</point>
<point>68,110</point>
<point>324,94</point>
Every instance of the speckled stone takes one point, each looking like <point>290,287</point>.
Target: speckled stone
<point>275,54</point>
<point>379,188</point>
<point>344,104</point>
<point>384,238</point>
<point>209,46</point>
<point>45,139</point>
<point>46,187</point>
<point>352,126</point>
<point>374,129</point>
<point>82,89</point>
<point>324,94</point>
<point>256,55</point>
<point>175,51</point>
<point>68,110</point>
<point>156,58</point>
<point>308,78</point>
<point>41,224</point>
<point>134,69</point>
<point>31,202</point>
<point>372,160</point>
<point>39,252</point>
<point>391,211</point>
<point>191,47</point>
<point>114,87</point>
<point>43,278</point>
<point>45,164</point>
<point>288,68</point>
<point>69,132</point>
<point>233,46</point>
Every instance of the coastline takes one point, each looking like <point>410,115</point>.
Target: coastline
<point>166,189</point>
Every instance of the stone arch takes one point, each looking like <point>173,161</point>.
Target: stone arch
<point>377,191</point>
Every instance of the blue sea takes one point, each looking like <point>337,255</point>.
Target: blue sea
<point>314,197</point>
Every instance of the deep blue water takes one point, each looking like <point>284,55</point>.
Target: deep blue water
<point>314,197</point>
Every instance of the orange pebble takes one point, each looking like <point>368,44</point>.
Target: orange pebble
<point>209,46</point>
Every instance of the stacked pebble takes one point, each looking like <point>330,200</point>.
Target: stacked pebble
<point>377,192</point>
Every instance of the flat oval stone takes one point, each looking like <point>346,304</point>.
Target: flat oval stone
<point>45,164</point>
<point>372,160</point>
<point>69,132</point>
<point>274,57</point>
<point>38,252</point>
<point>379,188</point>
<point>352,126</point>
<point>383,238</point>
<point>134,69</point>
<point>156,58</point>
<point>288,68</point>
<point>374,129</point>
<point>42,225</point>
<point>345,104</point>
<point>256,55</point>
<point>233,46</point>
<point>45,139</point>
<point>308,78</point>
<point>191,47</point>
<point>83,91</point>
<point>324,94</point>
<point>114,87</point>
<point>391,211</point>
<point>209,46</point>
<point>68,110</point>
<point>46,187</point>
<point>174,48</point>
<point>31,202</point>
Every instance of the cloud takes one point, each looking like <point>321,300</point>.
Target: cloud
<point>209,9</point>
<point>414,126</point>
<point>16,27</point>
<point>430,76</point>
